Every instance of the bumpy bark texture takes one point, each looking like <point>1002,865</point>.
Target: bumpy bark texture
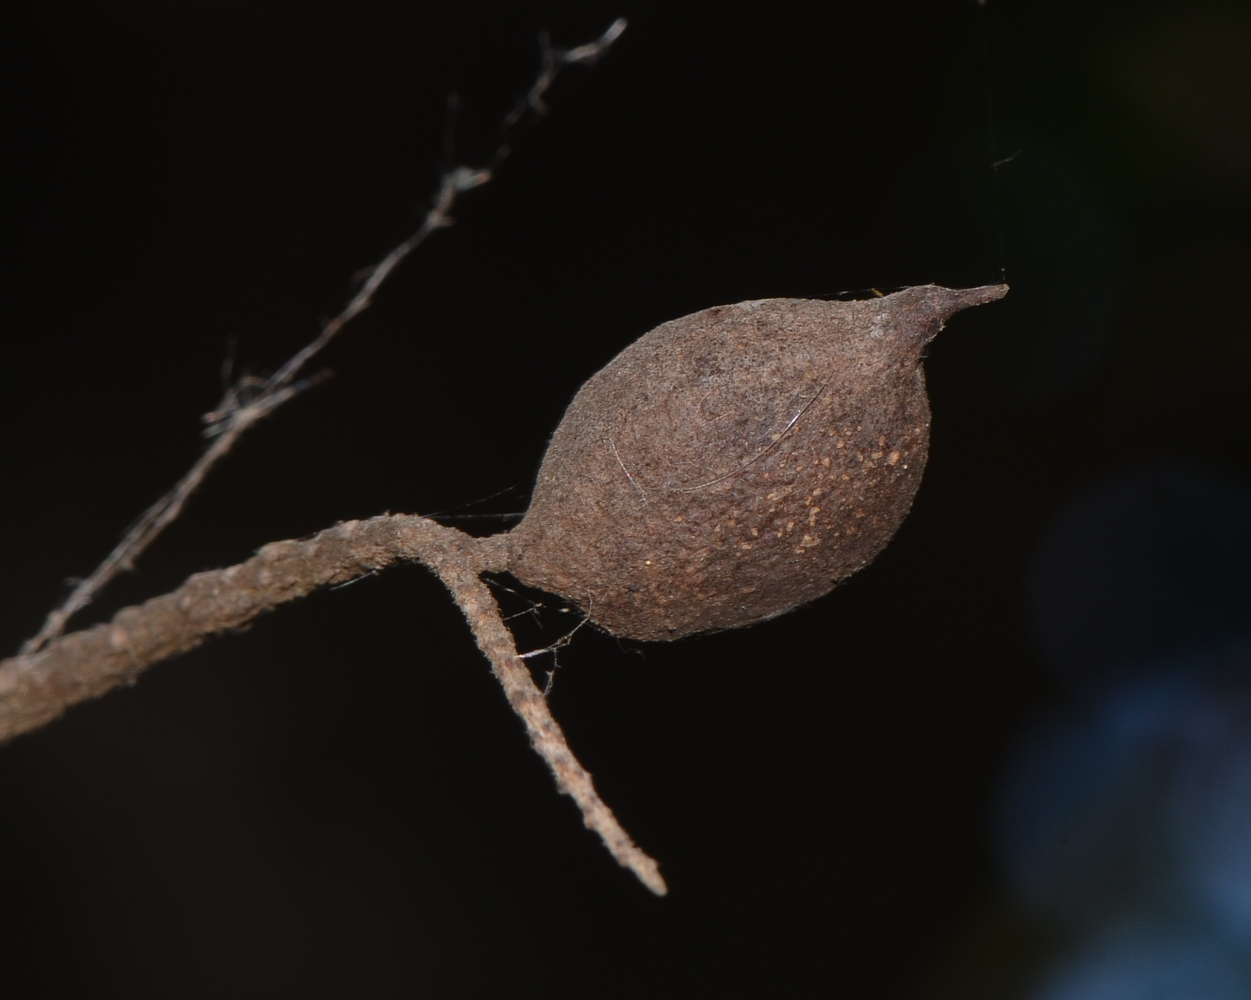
<point>736,463</point>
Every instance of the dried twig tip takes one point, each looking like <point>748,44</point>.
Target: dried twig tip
<point>593,50</point>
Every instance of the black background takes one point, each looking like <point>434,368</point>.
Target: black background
<point>338,802</point>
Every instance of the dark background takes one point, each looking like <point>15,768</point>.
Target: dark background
<point>338,802</point>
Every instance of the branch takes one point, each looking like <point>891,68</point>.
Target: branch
<point>233,416</point>
<point>36,688</point>
<point>494,639</point>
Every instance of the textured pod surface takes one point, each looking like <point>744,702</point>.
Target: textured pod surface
<point>736,463</point>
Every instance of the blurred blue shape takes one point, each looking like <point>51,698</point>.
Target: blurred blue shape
<point>1079,833</point>
<point>1146,565</point>
<point>1138,802</point>
<point>1208,815</point>
<point>1145,963</point>
<point>1125,813</point>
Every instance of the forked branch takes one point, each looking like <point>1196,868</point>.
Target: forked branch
<point>55,671</point>
<point>37,687</point>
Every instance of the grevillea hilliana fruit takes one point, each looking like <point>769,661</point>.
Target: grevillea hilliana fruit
<point>736,463</point>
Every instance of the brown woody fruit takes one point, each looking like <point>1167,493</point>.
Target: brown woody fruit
<point>736,463</point>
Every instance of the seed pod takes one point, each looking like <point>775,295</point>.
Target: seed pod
<point>736,463</point>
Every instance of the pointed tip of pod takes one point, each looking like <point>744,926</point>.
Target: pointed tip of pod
<point>966,298</point>
<point>922,310</point>
<point>946,302</point>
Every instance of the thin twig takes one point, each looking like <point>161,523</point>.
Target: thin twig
<point>36,688</point>
<point>496,642</point>
<point>233,417</point>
